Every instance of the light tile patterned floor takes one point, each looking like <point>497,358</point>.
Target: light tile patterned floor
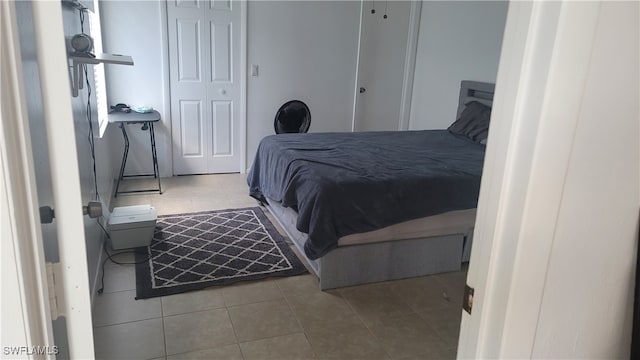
<point>283,318</point>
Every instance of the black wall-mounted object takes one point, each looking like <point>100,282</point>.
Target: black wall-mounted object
<point>292,117</point>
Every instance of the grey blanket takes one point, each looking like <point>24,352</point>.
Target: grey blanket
<point>346,183</point>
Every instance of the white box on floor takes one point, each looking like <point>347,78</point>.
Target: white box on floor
<point>132,226</point>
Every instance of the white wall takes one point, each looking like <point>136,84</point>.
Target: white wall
<point>458,40</point>
<point>306,50</point>
<point>588,296</point>
<point>138,29</point>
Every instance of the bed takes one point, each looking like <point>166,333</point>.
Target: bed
<point>374,206</point>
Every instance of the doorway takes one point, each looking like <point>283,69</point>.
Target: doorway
<point>206,60</point>
<point>385,28</point>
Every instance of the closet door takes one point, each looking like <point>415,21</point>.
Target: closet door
<point>381,65</point>
<point>204,54</point>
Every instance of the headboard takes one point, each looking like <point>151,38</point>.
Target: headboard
<point>474,91</point>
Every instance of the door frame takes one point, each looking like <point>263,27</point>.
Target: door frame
<point>243,82</point>
<point>542,67</point>
<point>24,270</point>
<point>409,66</point>
<point>243,85</point>
<point>74,298</point>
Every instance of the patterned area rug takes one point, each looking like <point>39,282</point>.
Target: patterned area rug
<point>194,251</point>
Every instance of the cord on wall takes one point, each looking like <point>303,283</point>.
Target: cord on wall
<point>89,120</point>
<point>74,4</point>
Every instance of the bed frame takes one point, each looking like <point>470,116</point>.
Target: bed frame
<point>380,261</point>
<point>474,91</point>
<point>388,260</point>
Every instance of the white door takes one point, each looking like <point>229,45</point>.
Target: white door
<point>381,64</point>
<point>204,56</point>
<point>28,303</point>
<point>554,253</point>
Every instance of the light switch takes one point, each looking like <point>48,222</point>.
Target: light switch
<point>254,70</point>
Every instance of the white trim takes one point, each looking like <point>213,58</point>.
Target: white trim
<point>536,106</point>
<point>15,325</point>
<point>65,176</point>
<point>99,78</point>
<point>567,76</point>
<point>355,85</point>
<point>511,92</point>
<point>410,65</point>
<point>243,85</point>
<point>19,192</point>
<point>166,85</point>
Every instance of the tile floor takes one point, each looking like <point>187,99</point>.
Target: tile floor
<point>282,318</point>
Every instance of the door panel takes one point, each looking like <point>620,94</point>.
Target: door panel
<point>188,50</point>
<point>221,49</point>
<point>187,4</point>
<point>204,46</point>
<point>223,90</point>
<point>222,128</point>
<point>191,125</point>
<point>221,4</point>
<point>188,109</point>
<point>383,47</point>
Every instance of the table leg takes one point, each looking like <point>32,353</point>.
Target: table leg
<point>154,154</point>
<point>124,157</point>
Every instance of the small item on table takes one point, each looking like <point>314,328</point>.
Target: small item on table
<point>142,109</point>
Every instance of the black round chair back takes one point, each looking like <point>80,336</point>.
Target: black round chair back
<point>292,117</point>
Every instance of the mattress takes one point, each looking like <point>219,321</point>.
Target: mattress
<point>349,183</point>
<point>452,222</point>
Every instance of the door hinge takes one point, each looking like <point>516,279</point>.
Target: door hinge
<point>467,301</point>
<point>56,290</point>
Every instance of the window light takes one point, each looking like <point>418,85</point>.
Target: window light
<point>98,71</point>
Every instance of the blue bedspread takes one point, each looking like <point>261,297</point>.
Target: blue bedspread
<point>346,183</point>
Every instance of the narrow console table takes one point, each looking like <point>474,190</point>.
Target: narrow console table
<point>147,120</point>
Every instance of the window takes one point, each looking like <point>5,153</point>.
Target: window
<point>102,107</point>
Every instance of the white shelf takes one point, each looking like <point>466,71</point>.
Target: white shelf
<point>104,59</point>
<point>78,61</point>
